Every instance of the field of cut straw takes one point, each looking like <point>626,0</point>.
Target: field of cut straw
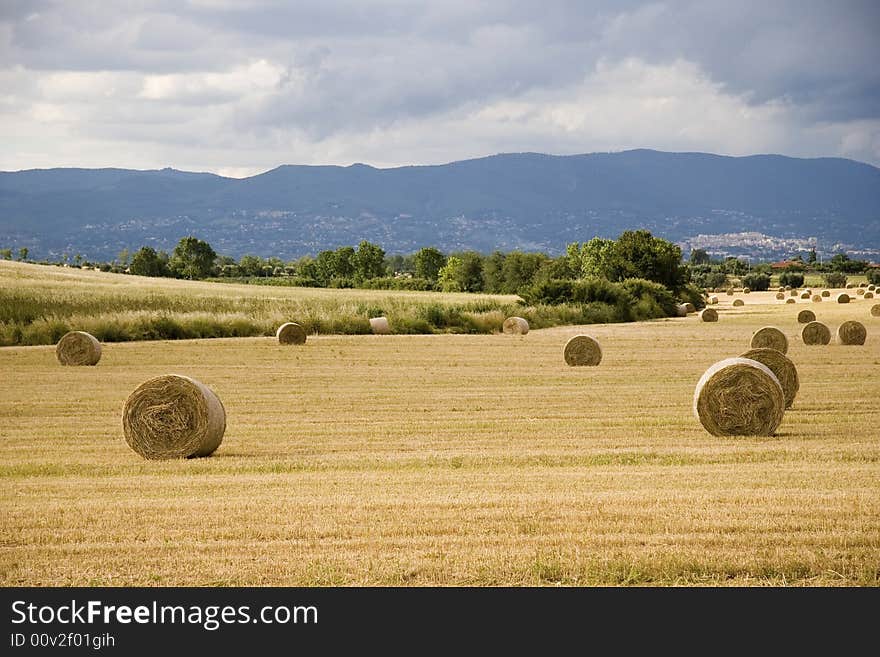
<point>447,460</point>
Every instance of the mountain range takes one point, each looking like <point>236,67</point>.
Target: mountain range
<point>526,201</point>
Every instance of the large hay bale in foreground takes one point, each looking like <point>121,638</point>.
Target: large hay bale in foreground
<point>790,301</point>
<point>806,316</point>
<point>380,325</point>
<point>173,417</point>
<point>739,397</point>
<point>826,293</point>
<point>582,350</point>
<point>782,367</point>
<point>739,302</point>
<point>780,296</point>
<point>770,337</point>
<point>817,298</point>
<point>816,333</point>
<point>843,297</point>
<point>291,333</point>
<point>851,332</point>
<point>709,315</point>
<point>515,326</point>
<point>875,310</point>
<point>78,348</point>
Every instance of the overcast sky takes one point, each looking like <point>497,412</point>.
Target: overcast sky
<point>238,87</point>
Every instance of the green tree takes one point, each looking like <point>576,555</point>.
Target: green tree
<point>122,257</point>
<point>842,263</point>
<point>493,272</point>
<point>597,258</point>
<point>811,259</point>
<point>700,257</point>
<point>146,262</point>
<point>6,254</point>
<point>23,253</point>
<point>251,265</point>
<point>519,270</point>
<point>428,262</point>
<point>192,258</point>
<point>451,274</point>
<point>638,254</point>
<point>345,262</point>
<point>369,261</point>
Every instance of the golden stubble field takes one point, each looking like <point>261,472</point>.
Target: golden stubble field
<point>449,460</point>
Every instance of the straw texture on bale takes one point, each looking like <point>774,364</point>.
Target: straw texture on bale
<point>826,293</point>
<point>817,298</point>
<point>709,315</point>
<point>380,325</point>
<point>869,295</point>
<point>78,348</point>
<point>770,337</point>
<point>730,291</point>
<point>739,397</point>
<point>739,302</point>
<point>783,369</point>
<point>780,295</point>
<point>806,316</point>
<point>790,301</point>
<point>816,333</point>
<point>582,350</point>
<point>805,295</point>
<point>173,417</point>
<point>291,333</point>
<point>515,326</point>
<point>875,310</point>
<point>860,291</point>
<point>871,288</point>
<point>746,290</point>
<point>852,332</point>
<point>843,297</point>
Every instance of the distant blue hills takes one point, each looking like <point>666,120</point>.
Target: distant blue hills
<point>525,201</point>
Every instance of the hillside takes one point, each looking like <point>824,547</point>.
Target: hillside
<point>526,201</point>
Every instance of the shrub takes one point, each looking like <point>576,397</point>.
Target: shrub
<point>835,279</point>
<point>792,278</point>
<point>874,275</point>
<point>756,282</point>
<point>710,279</point>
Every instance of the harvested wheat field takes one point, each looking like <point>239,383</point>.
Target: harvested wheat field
<point>448,460</point>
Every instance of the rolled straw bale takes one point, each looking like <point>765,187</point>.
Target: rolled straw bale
<point>805,295</point>
<point>713,300</point>
<point>380,325</point>
<point>582,350</point>
<point>843,297</point>
<point>691,308</point>
<point>806,316</point>
<point>860,291</point>
<point>790,301</point>
<point>739,397</point>
<point>782,367</point>
<point>780,295</point>
<point>826,293</point>
<point>78,348</point>
<point>871,288</point>
<point>787,288</point>
<point>849,286</point>
<point>771,338</point>
<point>793,293</point>
<point>746,290</point>
<point>515,326</point>
<point>681,310</point>
<point>875,310</point>
<point>817,298</point>
<point>816,333</point>
<point>173,417</point>
<point>730,291</point>
<point>851,332</point>
<point>291,333</point>
<point>739,302</point>
<point>869,295</point>
<point>809,291</point>
<point>709,315</point>
<point>780,289</point>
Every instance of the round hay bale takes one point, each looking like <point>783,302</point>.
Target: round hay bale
<point>806,316</point>
<point>787,288</point>
<point>851,332</point>
<point>709,315</point>
<point>730,291</point>
<point>875,310</point>
<point>816,333</point>
<point>713,300</point>
<point>793,293</point>
<point>379,325</point>
<point>790,301</point>
<point>849,286</point>
<point>826,293</point>
<point>780,289</point>
<point>738,302</point>
<point>515,326</point>
<point>780,296</point>
<point>291,333</point>
<point>78,348</point>
<point>869,295</point>
<point>843,297</point>
<point>739,397</point>
<point>691,308</point>
<point>783,369</point>
<point>808,291</point>
<point>805,295</point>
<point>817,298</point>
<point>746,290</point>
<point>582,350</point>
<point>681,310</point>
<point>871,288</point>
<point>173,417</point>
<point>860,291</point>
<point>770,337</point>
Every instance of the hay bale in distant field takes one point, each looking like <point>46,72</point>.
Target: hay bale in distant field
<point>709,315</point>
<point>792,293</point>
<point>681,310</point>
<point>739,302</point>
<point>780,296</point>
<point>782,367</point>
<point>869,295</point>
<point>291,333</point>
<point>739,397</point>
<point>806,316</point>
<point>713,300</point>
<point>872,288</point>
<point>826,293</point>
<point>780,289</point>
<point>849,286</point>
<point>770,337</point>
<point>843,297</point>
<point>78,348</point>
<point>787,288</point>
<point>380,325</point>
<point>817,298</point>
<point>173,417</point>
<point>746,290</point>
<point>691,308</point>
<point>790,301</point>
<point>875,310</point>
<point>860,291</point>
<point>805,295</point>
<point>515,326</point>
<point>730,291</point>
<point>851,332</point>
<point>582,350</point>
<point>816,333</point>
